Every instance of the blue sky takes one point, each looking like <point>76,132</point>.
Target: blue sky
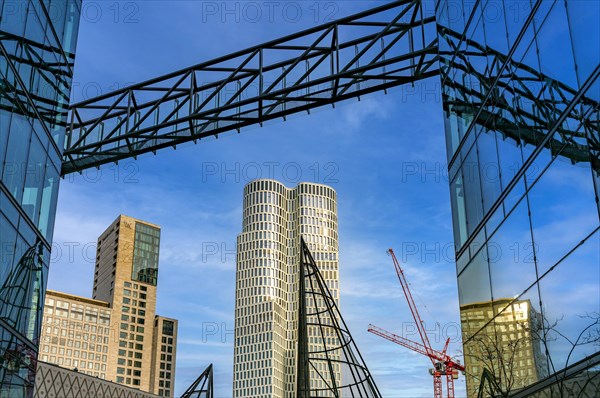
<point>385,156</point>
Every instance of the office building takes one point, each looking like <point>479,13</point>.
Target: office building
<point>125,276</point>
<point>36,69</point>
<point>520,86</point>
<point>117,335</point>
<point>76,333</point>
<point>267,275</point>
<point>515,343</point>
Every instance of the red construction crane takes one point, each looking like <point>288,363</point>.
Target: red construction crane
<point>443,364</point>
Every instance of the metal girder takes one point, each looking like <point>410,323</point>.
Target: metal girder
<point>381,48</point>
<point>489,386</point>
<point>371,51</point>
<point>329,362</point>
<point>202,387</point>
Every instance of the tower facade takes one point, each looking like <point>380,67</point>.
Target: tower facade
<point>117,335</point>
<point>125,276</point>
<point>267,280</point>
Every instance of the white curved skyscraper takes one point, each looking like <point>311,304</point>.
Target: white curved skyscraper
<point>268,258</point>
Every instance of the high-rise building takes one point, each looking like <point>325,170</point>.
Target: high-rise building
<point>125,276</point>
<point>521,87</point>
<point>267,281</point>
<point>515,343</point>
<point>37,50</point>
<point>117,335</point>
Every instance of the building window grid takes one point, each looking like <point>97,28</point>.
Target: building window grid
<point>248,249</point>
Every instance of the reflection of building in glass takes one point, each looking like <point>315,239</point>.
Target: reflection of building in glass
<point>116,336</point>
<point>512,344</point>
<point>268,258</point>
<point>36,69</point>
<point>520,85</point>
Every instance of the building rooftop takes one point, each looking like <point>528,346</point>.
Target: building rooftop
<point>80,299</point>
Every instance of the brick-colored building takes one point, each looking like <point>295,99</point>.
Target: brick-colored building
<point>116,335</point>
<point>76,333</point>
<point>163,360</point>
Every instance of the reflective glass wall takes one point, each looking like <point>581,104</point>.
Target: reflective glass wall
<point>146,245</point>
<point>521,90</point>
<point>37,44</point>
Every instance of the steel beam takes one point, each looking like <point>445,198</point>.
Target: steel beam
<point>384,47</point>
<point>381,48</point>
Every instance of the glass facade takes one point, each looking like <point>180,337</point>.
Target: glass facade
<point>521,89</point>
<point>145,254</point>
<point>520,83</point>
<point>37,45</point>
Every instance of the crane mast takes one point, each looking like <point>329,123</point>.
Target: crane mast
<point>412,306</point>
<point>443,364</point>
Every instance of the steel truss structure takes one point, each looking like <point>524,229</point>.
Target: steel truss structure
<point>381,48</point>
<point>337,366</point>
<point>203,386</point>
